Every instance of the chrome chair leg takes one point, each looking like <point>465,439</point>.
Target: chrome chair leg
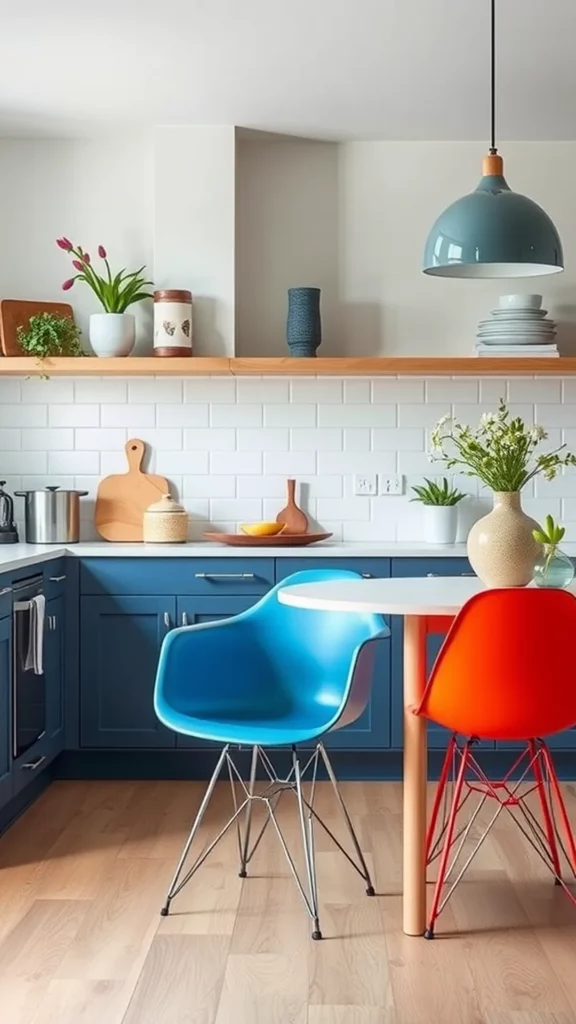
<point>245,846</point>
<point>364,867</point>
<point>308,846</point>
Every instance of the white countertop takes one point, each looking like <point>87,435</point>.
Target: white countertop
<point>16,556</point>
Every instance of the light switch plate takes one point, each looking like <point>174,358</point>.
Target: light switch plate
<point>392,485</point>
<point>365,484</point>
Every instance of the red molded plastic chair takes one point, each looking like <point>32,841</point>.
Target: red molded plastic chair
<point>505,672</point>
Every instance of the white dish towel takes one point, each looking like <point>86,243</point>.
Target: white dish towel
<point>35,654</point>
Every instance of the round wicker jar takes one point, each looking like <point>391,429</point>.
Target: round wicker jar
<point>165,522</point>
<point>173,322</point>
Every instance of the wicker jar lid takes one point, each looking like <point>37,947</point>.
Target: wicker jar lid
<point>166,504</point>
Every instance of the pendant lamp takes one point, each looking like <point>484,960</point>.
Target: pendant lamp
<point>493,232</point>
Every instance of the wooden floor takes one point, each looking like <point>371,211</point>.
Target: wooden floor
<point>84,872</point>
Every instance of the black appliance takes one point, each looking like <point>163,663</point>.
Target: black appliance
<point>28,681</point>
<point>8,531</point>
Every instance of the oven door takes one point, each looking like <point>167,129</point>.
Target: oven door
<point>28,687</point>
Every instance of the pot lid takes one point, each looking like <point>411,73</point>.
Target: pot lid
<point>54,489</point>
<point>167,504</point>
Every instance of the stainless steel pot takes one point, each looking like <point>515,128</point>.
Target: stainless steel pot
<point>52,516</point>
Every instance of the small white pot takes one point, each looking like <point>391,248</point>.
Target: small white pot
<point>440,524</point>
<point>112,334</point>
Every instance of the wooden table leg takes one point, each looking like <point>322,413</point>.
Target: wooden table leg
<point>415,774</point>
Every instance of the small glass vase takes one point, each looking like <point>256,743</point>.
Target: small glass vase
<point>553,569</point>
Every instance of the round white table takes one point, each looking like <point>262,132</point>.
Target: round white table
<point>418,600</point>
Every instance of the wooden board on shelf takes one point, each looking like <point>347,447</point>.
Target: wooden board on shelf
<point>201,366</point>
<point>15,313</point>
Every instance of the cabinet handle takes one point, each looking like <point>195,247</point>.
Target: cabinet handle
<point>184,618</point>
<point>430,574</point>
<point>33,765</point>
<point>54,622</point>
<point>56,579</point>
<point>167,622</point>
<point>224,575</point>
<point>366,575</point>
<point>5,590</point>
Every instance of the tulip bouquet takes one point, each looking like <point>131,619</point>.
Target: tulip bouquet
<point>116,293</point>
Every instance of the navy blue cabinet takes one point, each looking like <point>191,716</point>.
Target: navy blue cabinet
<point>372,730</point>
<point>5,718</point>
<point>120,640</point>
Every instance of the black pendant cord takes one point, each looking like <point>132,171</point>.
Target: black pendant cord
<point>493,149</point>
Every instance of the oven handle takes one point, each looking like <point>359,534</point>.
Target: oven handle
<point>33,765</point>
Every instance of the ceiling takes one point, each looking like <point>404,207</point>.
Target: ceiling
<point>378,69</point>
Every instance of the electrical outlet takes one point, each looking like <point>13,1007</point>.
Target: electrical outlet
<point>365,484</point>
<point>392,484</point>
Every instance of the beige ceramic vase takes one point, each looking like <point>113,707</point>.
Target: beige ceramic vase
<point>501,548</point>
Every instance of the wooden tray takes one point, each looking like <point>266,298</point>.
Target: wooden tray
<point>15,313</point>
<point>285,540</point>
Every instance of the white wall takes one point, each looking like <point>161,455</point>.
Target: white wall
<point>227,445</point>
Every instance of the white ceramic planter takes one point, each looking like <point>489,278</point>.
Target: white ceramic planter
<point>112,334</point>
<point>440,524</point>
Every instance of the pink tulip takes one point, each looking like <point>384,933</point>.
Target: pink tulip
<point>86,257</point>
<point>78,265</point>
<point>102,252</point>
<point>68,284</point>
<point>65,244</point>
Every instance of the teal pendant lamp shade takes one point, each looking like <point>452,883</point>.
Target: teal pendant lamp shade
<point>493,232</point>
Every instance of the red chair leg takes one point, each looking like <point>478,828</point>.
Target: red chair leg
<point>561,805</point>
<point>442,783</point>
<point>535,755</point>
<point>429,933</point>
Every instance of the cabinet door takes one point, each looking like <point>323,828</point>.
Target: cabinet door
<point>120,643</point>
<point>420,567</point>
<point>5,717</point>
<point>54,670</point>
<point>193,610</point>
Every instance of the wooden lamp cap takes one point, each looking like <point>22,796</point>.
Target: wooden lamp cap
<point>492,165</point>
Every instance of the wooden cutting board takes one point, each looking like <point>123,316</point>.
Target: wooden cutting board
<point>15,313</point>
<point>123,498</point>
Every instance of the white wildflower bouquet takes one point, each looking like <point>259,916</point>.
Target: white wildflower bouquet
<point>501,451</point>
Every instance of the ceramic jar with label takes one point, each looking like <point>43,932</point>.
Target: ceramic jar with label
<point>165,522</point>
<point>173,322</point>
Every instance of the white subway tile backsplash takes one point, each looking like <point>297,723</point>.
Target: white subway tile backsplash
<point>268,439</point>
<point>236,415</point>
<point>227,446</point>
<point>216,439</point>
<point>38,390</point>
<point>306,392</point>
<point>211,486</point>
<point>356,415</point>
<point>315,439</point>
<point>155,391</point>
<point>186,415</point>
<point>211,390</point>
<point>266,391</point>
<point>290,463</point>
<point>23,415</point>
<point>100,439</point>
<point>74,463</point>
<point>47,439</point>
<point>236,463</point>
<point>73,415</point>
<point>294,415</point>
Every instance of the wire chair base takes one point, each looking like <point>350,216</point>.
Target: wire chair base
<point>244,797</point>
<point>552,838</point>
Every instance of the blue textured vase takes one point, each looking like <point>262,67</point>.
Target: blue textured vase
<point>304,326</point>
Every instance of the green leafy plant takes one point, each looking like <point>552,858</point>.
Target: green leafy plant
<point>50,334</point>
<point>437,493</point>
<point>549,536</point>
<point>115,293</point>
<point>501,451</point>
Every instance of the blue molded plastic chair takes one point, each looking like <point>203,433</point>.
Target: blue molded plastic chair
<point>272,676</point>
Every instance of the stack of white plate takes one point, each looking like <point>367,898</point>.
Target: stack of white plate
<point>517,322</point>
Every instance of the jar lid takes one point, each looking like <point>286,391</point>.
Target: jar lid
<point>167,504</point>
<point>173,295</point>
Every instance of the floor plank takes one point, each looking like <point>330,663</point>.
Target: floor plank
<point>84,873</point>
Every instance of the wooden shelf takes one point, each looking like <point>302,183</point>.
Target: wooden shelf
<point>89,366</point>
